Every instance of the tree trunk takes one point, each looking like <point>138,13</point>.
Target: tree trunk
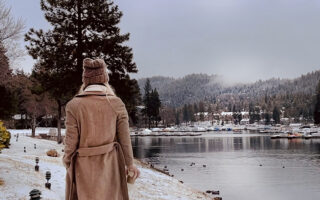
<point>25,121</point>
<point>59,139</point>
<point>33,125</point>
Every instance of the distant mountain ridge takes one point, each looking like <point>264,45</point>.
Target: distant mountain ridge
<point>212,88</point>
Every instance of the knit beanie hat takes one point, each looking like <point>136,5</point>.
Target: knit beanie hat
<point>94,72</point>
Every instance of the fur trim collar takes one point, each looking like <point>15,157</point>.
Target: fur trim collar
<point>96,88</point>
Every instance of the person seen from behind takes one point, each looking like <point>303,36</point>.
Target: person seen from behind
<point>98,153</point>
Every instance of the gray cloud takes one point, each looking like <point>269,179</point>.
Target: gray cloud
<point>243,40</point>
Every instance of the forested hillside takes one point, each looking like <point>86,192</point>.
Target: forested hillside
<point>294,96</point>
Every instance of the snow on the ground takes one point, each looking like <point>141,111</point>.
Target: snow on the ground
<point>39,130</point>
<point>17,172</point>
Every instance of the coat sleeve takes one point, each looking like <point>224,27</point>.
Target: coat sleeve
<point>123,133</point>
<point>71,139</point>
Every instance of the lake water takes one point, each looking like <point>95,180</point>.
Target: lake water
<point>290,168</point>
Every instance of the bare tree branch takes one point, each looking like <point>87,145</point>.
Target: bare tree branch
<point>9,27</point>
<point>10,31</point>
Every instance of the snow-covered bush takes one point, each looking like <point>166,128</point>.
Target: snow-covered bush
<point>4,137</point>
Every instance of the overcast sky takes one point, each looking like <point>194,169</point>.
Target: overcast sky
<point>243,40</point>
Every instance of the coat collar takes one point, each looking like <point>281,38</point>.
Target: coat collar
<point>95,90</point>
<point>91,93</point>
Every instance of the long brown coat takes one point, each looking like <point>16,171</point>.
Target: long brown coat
<point>95,162</point>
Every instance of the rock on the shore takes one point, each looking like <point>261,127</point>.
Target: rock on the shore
<point>52,153</point>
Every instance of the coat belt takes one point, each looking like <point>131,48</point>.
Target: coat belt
<point>99,150</point>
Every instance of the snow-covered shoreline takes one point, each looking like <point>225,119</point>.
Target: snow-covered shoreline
<point>17,172</point>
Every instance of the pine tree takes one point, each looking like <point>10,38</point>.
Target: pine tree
<point>5,71</point>
<point>210,113</point>
<point>251,113</point>
<point>195,108</point>
<point>233,108</point>
<point>316,114</point>
<point>155,105</point>
<point>8,103</point>
<point>185,114</point>
<point>191,112</point>
<point>237,116</point>
<point>147,102</point>
<point>267,118</point>
<point>209,109</point>
<point>201,110</point>
<point>257,115</point>
<point>177,117</point>
<point>81,29</point>
<point>276,115</point>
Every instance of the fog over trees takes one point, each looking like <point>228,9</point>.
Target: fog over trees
<point>295,97</point>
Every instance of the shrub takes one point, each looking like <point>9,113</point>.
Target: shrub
<point>5,137</point>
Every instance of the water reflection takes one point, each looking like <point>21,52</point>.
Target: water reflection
<point>146,147</point>
<point>276,169</point>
